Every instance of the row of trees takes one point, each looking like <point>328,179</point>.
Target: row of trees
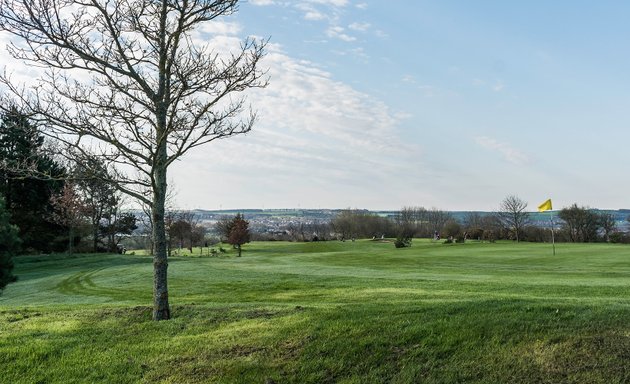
<point>57,206</point>
<point>414,222</point>
<point>577,224</point>
<point>512,221</point>
<point>72,202</point>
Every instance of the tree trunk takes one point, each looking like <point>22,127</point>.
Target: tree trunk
<point>161,310</point>
<point>95,236</point>
<point>70,239</point>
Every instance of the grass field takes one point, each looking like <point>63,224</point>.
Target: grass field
<point>353,312</point>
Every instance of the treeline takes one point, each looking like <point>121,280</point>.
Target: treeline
<point>54,207</point>
<point>511,222</point>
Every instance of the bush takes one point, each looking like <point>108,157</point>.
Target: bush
<point>402,242</point>
<point>619,238</point>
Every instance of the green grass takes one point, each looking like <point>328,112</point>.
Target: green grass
<point>353,312</point>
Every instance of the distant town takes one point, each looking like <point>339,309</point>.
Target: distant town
<point>282,220</point>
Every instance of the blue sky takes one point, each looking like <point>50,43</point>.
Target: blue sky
<point>447,104</point>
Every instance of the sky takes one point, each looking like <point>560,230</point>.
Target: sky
<point>450,104</point>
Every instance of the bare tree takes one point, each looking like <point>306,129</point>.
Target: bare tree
<point>99,197</point>
<point>126,81</point>
<point>608,224</point>
<point>437,218</point>
<point>183,228</point>
<point>405,227</point>
<point>513,215</point>
<point>223,227</point>
<point>70,211</point>
<point>580,223</point>
<point>346,223</point>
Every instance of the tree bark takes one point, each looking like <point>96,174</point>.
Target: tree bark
<point>161,310</point>
<point>95,236</point>
<point>70,239</point>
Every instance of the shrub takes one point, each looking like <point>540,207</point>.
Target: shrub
<point>619,238</point>
<point>402,242</point>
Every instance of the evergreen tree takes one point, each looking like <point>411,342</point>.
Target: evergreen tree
<point>9,243</point>
<point>27,198</point>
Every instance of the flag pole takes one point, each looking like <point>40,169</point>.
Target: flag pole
<point>553,239</point>
<point>544,207</point>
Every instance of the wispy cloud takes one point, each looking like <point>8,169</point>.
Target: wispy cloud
<point>311,13</point>
<point>336,3</point>
<point>338,32</point>
<point>358,53</point>
<point>508,152</point>
<point>311,125</point>
<point>329,12</point>
<point>261,2</point>
<point>359,27</point>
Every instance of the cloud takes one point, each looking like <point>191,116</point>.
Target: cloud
<point>317,10</point>
<point>329,12</point>
<point>337,32</point>
<point>311,13</point>
<point>509,153</point>
<point>218,27</point>
<point>357,53</point>
<point>311,126</point>
<point>335,3</point>
<point>311,130</point>
<point>360,27</point>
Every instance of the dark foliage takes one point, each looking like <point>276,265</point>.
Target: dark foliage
<point>402,242</point>
<point>9,244</point>
<point>27,197</point>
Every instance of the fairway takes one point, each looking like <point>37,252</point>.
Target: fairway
<point>327,312</point>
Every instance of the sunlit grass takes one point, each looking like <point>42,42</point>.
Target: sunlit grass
<point>352,312</point>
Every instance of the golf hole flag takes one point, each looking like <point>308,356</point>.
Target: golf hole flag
<point>546,206</point>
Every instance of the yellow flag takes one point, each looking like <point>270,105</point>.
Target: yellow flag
<point>546,206</point>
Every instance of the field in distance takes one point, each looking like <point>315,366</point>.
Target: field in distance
<point>329,312</point>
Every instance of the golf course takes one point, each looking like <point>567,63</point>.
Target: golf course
<point>325,312</point>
